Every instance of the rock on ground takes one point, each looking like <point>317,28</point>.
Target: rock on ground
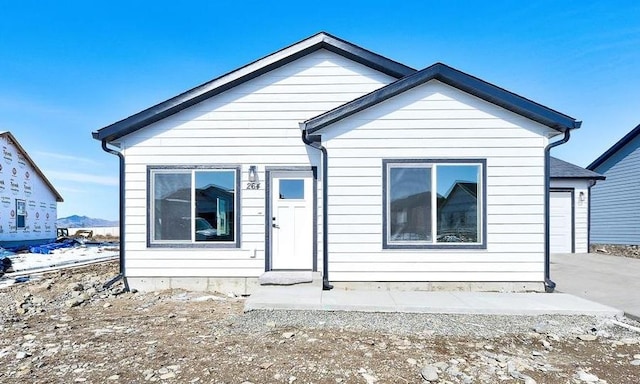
<point>65,326</point>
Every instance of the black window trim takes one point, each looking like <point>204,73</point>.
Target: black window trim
<point>237,209</point>
<point>436,161</point>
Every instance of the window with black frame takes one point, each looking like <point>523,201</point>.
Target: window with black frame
<point>433,203</point>
<point>193,205</point>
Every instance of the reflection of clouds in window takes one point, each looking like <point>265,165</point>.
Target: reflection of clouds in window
<point>172,206</point>
<point>410,205</point>
<point>406,181</point>
<point>166,184</point>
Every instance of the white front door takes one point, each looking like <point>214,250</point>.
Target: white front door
<point>560,222</point>
<point>292,220</point>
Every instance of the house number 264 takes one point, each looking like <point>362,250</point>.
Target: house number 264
<point>253,185</point>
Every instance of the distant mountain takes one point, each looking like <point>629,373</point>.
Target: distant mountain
<point>76,221</point>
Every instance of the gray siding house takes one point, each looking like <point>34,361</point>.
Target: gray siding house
<point>615,211</point>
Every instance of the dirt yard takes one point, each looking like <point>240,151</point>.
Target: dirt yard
<point>64,327</point>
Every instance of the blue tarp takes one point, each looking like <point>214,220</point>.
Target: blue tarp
<point>6,253</point>
<point>45,249</point>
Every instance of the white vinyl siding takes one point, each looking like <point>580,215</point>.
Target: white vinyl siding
<point>436,121</point>
<point>255,123</point>
<point>580,209</point>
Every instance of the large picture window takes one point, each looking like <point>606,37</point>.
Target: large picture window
<point>433,203</point>
<point>194,206</point>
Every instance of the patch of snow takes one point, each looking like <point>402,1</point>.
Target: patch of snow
<point>26,263</point>
<point>29,261</point>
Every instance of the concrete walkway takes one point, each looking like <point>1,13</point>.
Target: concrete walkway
<point>606,279</point>
<point>311,297</point>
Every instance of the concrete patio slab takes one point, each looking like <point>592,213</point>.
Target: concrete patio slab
<point>490,303</point>
<point>366,301</point>
<point>407,301</point>
<point>302,296</point>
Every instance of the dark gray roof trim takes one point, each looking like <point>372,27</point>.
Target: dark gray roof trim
<point>248,72</point>
<point>454,78</point>
<point>561,169</point>
<point>615,148</point>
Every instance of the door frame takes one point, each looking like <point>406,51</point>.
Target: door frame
<point>268,211</point>
<point>573,214</point>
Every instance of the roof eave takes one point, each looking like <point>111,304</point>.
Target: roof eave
<point>579,177</point>
<point>614,148</point>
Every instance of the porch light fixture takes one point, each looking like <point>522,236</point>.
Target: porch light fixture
<point>582,196</point>
<point>253,174</point>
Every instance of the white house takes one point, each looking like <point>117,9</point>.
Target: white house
<point>28,201</point>
<point>327,157</point>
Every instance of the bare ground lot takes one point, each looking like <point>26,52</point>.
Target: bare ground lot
<point>63,327</point>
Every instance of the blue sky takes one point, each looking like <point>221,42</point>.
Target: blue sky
<point>68,68</point>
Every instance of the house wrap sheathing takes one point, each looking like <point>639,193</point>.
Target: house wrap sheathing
<point>28,201</point>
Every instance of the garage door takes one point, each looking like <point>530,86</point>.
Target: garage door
<point>561,225</point>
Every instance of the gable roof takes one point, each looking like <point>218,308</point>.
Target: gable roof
<point>454,78</point>
<point>250,71</point>
<point>58,197</point>
<point>467,186</point>
<point>615,148</point>
<point>561,169</point>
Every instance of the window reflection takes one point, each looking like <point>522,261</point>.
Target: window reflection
<point>172,206</point>
<point>214,205</point>
<point>410,208</point>
<point>411,214</point>
<point>458,207</point>
<point>204,213</point>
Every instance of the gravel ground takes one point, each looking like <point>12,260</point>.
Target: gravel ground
<point>616,250</point>
<point>64,327</point>
<point>426,325</point>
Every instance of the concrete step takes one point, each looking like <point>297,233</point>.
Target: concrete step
<point>307,278</point>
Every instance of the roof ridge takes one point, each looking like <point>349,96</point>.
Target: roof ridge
<point>250,71</point>
<point>33,164</point>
